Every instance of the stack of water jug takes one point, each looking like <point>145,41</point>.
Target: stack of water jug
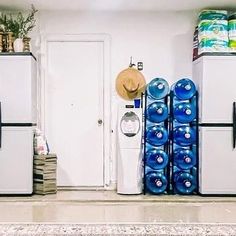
<point>170,137</point>
<point>183,105</point>
<point>156,168</point>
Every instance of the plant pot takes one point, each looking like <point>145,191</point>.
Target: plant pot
<point>18,45</point>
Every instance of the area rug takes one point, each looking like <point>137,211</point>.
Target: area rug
<point>118,229</point>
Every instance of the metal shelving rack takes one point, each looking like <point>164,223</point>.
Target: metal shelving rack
<point>166,171</point>
<point>194,147</point>
<point>170,145</point>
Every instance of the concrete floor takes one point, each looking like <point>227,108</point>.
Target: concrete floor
<point>108,207</point>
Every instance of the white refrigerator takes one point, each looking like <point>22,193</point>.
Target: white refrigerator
<point>18,117</point>
<point>215,77</point>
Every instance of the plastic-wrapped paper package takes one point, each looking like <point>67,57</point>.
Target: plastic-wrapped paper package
<point>213,29</point>
<point>232,34</point>
<point>213,15</point>
<point>213,45</point>
<point>195,43</point>
<point>40,143</point>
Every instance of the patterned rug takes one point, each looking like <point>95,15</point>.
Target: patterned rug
<point>119,229</point>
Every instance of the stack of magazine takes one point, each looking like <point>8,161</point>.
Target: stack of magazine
<point>45,167</point>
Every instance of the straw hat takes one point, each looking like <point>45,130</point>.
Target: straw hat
<point>130,83</point>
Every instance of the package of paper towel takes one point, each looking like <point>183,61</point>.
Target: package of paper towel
<point>213,15</point>
<point>213,31</point>
<point>232,32</point>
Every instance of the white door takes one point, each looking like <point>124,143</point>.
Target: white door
<point>217,161</point>
<point>216,79</point>
<point>73,108</point>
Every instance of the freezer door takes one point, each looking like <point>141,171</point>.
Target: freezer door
<point>216,80</point>
<point>217,161</point>
<point>18,89</point>
<point>16,160</point>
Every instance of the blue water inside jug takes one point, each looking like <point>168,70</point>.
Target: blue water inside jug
<point>156,159</point>
<point>156,135</point>
<point>184,135</point>
<point>157,112</point>
<point>184,158</point>
<point>158,88</point>
<point>184,112</point>
<point>184,182</point>
<point>156,182</point>
<point>184,89</point>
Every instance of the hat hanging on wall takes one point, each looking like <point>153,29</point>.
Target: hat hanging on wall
<point>130,83</point>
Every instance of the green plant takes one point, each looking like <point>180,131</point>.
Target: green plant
<point>4,26</point>
<point>19,24</point>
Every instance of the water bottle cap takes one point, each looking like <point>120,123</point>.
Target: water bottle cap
<point>187,135</point>
<point>159,159</point>
<point>187,184</point>
<point>160,86</point>
<point>187,87</point>
<point>187,159</point>
<point>158,183</point>
<point>159,135</point>
<point>188,112</point>
<point>159,110</point>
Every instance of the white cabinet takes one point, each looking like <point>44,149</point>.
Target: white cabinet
<point>217,158</point>
<point>16,160</point>
<point>216,82</point>
<point>18,94</point>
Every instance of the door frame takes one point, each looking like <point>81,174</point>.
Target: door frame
<point>43,71</point>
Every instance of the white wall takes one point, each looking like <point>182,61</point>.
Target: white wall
<point>162,41</point>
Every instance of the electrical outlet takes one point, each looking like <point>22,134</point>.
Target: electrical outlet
<point>140,65</point>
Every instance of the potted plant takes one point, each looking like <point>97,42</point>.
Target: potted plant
<point>21,25</point>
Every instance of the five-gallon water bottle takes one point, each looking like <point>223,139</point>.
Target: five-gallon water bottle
<point>184,135</point>
<point>157,112</point>
<point>158,88</point>
<point>184,158</point>
<point>156,159</point>
<point>156,182</point>
<point>156,135</point>
<point>185,183</point>
<point>184,112</point>
<point>184,89</point>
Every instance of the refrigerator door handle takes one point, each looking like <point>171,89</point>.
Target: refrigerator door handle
<point>0,124</point>
<point>234,125</point>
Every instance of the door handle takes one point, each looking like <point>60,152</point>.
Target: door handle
<point>0,124</point>
<point>234,125</point>
<point>100,121</point>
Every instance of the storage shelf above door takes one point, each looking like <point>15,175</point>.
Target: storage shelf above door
<point>17,54</point>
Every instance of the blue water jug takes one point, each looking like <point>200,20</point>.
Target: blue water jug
<point>156,182</point>
<point>184,135</point>
<point>184,182</point>
<point>156,135</point>
<point>184,112</point>
<point>158,88</point>
<point>156,159</point>
<point>184,89</point>
<point>157,112</point>
<point>184,158</point>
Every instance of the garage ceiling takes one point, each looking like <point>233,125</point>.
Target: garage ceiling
<point>118,5</point>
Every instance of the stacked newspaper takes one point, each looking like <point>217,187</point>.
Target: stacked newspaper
<point>45,167</point>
